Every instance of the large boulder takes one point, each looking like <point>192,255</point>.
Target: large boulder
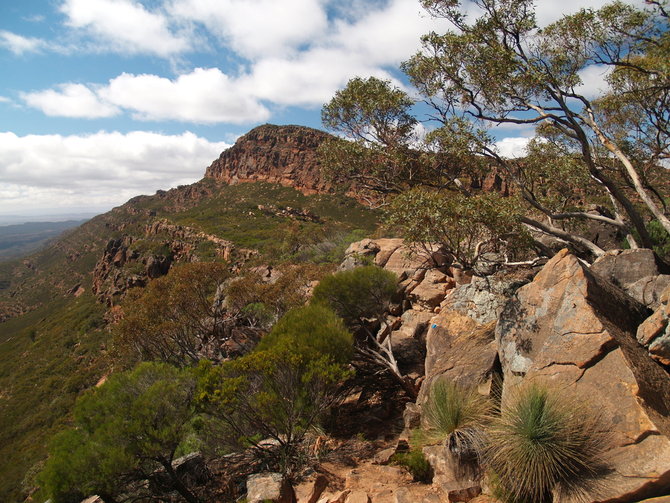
<point>625,267</point>
<point>576,331</point>
<point>654,332</point>
<point>460,343</point>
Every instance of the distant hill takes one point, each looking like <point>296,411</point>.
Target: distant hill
<point>262,202</point>
<point>20,239</point>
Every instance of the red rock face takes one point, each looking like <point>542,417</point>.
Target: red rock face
<point>286,155</point>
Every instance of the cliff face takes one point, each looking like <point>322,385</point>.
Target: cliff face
<point>286,155</point>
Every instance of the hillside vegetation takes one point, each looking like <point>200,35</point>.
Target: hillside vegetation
<point>59,346</point>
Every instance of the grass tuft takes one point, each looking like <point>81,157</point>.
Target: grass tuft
<point>545,444</point>
<point>458,416</point>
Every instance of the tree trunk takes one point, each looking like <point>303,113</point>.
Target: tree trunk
<point>178,484</point>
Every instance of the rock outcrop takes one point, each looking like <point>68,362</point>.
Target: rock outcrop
<point>576,331</point>
<point>286,155</point>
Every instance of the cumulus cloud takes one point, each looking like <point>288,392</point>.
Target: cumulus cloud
<point>18,44</point>
<point>202,96</point>
<point>594,81</point>
<point>70,100</point>
<point>512,147</point>
<point>548,11</point>
<point>126,26</point>
<point>287,67</point>
<point>257,28</point>
<point>101,169</point>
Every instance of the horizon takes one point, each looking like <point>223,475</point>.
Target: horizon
<point>104,100</point>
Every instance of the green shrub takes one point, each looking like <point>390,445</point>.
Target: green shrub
<point>270,398</point>
<point>416,463</point>
<point>363,292</point>
<point>313,331</point>
<point>127,428</point>
<point>544,442</point>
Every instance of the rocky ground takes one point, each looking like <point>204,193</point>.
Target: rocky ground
<point>600,333</point>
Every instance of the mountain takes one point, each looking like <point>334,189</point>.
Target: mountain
<point>264,200</point>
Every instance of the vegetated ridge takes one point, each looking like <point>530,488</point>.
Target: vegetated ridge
<point>53,304</point>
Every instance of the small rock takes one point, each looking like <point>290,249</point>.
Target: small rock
<point>358,497</point>
<point>383,457</point>
<point>402,495</point>
<point>263,487</point>
<point>465,494</point>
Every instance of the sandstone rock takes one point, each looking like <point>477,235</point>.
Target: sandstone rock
<point>654,332</point>
<point>405,262</point>
<point>358,497</point>
<point>319,485</point>
<point>286,155</point>
<point>465,494</point>
<point>339,497</point>
<point>460,343</point>
<point>264,487</point>
<point>576,331</point>
<point>450,477</point>
<point>386,248</point>
<point>648,290</point>
<point>432,289</point>
<point>411,416</point>
<point>625,267</point>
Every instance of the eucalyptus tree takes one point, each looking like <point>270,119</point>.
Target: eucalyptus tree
<point>592,160</point>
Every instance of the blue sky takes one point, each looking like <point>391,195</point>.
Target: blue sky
<point>101,100</point>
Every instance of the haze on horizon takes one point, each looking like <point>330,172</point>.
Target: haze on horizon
<point>102,100</point>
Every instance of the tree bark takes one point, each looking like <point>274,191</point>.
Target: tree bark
<point>178,484</point>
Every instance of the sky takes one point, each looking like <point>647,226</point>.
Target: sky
<point>102,100</point>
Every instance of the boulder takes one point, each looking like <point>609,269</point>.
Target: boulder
<point>576,331</point>
<point>430,292</point>
<point>460,343</point>
<point>625,267</point>
<point>319,485</point>
<point>266,487</point>
<point>654,332</point>
<point>455,481</point>
<point>648,290</point>
<point>358,497</point>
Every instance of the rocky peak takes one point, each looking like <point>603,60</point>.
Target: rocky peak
<point>278,154</point>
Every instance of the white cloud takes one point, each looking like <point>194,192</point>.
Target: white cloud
<point>202,96</point>
<point>594,81</point>
<point>70,100</point>
<point>512,147</point>
<point>548,11</point>
<point>257,28</point>
<point>5,99</point>
<point>125,26</point>
<point>19,44</point>
<point>102,169</point>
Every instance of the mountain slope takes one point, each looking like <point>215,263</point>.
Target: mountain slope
<point>53,337</point>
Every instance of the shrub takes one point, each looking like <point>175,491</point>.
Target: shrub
<point>458,416</point>
<point>416,463</point>
<point>174,316</point>
<point>270,398</point>
<point>544,442</point>
<point>127,428</point>
<point>363,292</point>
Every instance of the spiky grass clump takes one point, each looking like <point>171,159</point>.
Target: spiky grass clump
<point>544,444</point>
<point>458,416</point>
